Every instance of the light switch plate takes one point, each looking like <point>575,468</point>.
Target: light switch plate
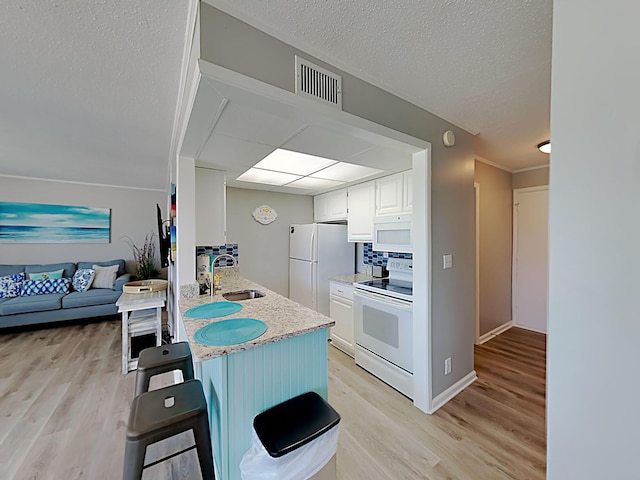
<point>447,261</point>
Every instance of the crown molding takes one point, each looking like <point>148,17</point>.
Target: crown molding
<point>493,164</point>
<point>530,168</point>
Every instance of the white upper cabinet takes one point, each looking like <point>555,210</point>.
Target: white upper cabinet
<point>407,191</point>
<point>394,194</point>
<point>389,194</point>
<point>330,207</point>
<point>362,209</point>
<point>211,207</point>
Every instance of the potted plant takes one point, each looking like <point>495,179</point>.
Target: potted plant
<point>145,257</point>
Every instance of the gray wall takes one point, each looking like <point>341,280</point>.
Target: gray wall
<point>237,46</point>
<point>263,250</point>
<point>133,214</point>
<point>496,238</point>
<point>530,178</point>
<point>594,237</point>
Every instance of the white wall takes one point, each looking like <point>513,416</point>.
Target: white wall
<point>594,320</point>
<point>263,250</point>
<point>496,237</point>
<point>133,214</point>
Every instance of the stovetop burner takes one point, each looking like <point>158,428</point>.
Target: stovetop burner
<point>389,286</point>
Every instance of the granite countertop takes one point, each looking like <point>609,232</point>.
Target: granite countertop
<point>284,318</point>
<point>351,278</point>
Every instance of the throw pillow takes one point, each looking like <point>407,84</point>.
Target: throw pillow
<point>104,277</point>
<point>44,286</point>
<point>44,275</point>
<point>10,285</point>
<point>82,279</point>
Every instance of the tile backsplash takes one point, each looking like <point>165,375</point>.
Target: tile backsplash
<point>229,248</point>
<point>373,257</point>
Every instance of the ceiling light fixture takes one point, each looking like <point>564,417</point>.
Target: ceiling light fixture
<point>257,175</point>
<point>296,163</point>
<point>345,172</point>
<point>545,147</point>
<point>286,168</point>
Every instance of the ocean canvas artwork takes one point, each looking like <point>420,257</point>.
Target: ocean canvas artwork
<point>44,223</point>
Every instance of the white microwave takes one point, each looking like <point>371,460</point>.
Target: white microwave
<point>392,233</point>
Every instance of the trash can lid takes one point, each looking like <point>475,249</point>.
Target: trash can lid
<point>294,423</point>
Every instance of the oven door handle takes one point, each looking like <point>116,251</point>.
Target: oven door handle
<point>384,299</point>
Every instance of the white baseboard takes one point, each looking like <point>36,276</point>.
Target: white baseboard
<point>530,329</point>
<point>452,391</point>
<point>495,332</point>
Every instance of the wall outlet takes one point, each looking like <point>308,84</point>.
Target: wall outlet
<point>447,366</point>
<point>385,254</point>
<point>447,261</point>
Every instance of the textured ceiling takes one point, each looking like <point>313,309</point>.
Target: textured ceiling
<point>483,65</point>
<point>88,89</point>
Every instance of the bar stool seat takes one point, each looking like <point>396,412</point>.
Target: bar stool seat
<point>165,358</point>
<point>163,413</point>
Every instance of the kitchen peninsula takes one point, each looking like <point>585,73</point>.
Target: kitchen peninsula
<point>243,380</point>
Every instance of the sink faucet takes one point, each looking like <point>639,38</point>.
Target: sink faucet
<point>213,276</point>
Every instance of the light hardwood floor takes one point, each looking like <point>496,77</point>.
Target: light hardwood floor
<point>64,406</point>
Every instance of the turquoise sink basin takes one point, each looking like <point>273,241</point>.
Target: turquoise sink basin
<point>213,310</point>
<point>230,332</point>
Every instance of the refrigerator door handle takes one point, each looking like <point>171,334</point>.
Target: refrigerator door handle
<point>312,250</point>
<point>314,284</point>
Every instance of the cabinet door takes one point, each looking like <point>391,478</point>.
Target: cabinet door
<point>337,207</point>
<point>211,207</point>
<point>321,208</point>
<point>330,207</point>
<point>341,312</point>
<point>362,199</point>
<point>389,194</point>
<point>407,191</point>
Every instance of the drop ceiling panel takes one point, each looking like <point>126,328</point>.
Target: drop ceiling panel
<point>207,107</point>
<point>325,143</point>
<point>313,184</point>
<point>228,153</point>
<point>383,158</point>
<point>255,125</point>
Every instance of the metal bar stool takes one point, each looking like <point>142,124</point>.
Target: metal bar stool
<point>165,358</point>
<point>161,414</point>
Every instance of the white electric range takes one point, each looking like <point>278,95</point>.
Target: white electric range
<point>384,325</point>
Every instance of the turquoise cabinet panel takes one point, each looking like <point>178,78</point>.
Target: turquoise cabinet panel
<point>241,385</point>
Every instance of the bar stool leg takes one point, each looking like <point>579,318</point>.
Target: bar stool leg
<point>134,453</point>
<point>203,446</point>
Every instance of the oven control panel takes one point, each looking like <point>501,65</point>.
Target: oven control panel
<point>400,264</point>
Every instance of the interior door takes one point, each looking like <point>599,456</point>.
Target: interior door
<point>530,257</point>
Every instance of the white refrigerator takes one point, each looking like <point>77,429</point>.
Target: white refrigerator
<point>317,251</point>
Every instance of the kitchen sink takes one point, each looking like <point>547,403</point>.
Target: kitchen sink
<point>242,295</point>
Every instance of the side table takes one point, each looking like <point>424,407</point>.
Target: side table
<point>141,315</point>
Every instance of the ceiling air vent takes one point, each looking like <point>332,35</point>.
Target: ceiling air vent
<point>315,82</point>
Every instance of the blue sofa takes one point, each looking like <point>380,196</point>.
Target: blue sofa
<point>56,307</point>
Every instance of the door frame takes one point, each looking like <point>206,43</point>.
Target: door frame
<point>476,186</point>
<point>514,249</point>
